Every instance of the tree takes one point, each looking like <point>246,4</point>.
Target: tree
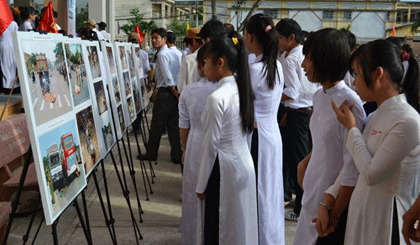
<point>144,26</point>
<point>345,28</point>
<point>415,26</point>
<point>254,7</point>
<point>82,16</point>
<point>180,30</point>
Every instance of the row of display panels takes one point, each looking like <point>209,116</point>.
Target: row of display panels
<point>65,83</point>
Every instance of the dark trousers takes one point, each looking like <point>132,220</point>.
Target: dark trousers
<point>336,237</point>
<point>212,203</point>
<point>165,113</point>
<point>297,144</point>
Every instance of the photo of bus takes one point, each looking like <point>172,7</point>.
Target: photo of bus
<point>69,156</point>
<point>56,168</point>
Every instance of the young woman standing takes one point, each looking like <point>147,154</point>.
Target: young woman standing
<point>387,153</point>
<point>27,14</point>
<point>226,178</point>
<point>327,56</point>
<point>261,39</point>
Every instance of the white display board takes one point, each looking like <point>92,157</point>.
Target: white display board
<point>51,105</point>
<point>137,83</point>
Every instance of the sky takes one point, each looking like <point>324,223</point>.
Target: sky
<point>79,3</point>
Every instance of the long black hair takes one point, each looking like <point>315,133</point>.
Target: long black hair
<point>262,27</point>
<point>385,54</point>
<point>329,51</point>
<point>234,52</point>
<point>26,11</point>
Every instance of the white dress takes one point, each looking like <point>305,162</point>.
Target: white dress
<point>25,26</point>
<point>225,138</point>
<point>191,106</point>
<point>7,57</point>
<point>387,155</point>
<point>329,156</point>
<point>270,158</point>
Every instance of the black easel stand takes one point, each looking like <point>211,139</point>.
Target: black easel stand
<point>85,230</point>
<point>86,214</point>
<point>143,167</point>
<point>28,231</point>
<point>109,222</point>
<point>143,136</point>
<point>132,172</point>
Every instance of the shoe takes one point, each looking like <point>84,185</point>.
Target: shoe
<point>145,157</point>
<point>290,215</point>
<point>176,161</point>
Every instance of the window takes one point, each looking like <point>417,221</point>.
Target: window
<point>328,14</point>
<point>273,13</point>
<point>388,15</point>
<point>347,15</point>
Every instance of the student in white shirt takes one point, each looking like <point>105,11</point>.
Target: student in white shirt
<point>226,178</point>
<point>102,26</point>
<point>191,130</point>
<point>91,23</point>
<point>327,56</point>
<point>387,153</point>
<point>261,39</point>
<point>7,57</point>
<point>27,14</point>
<point>170,41</point>
<point>295,111</point>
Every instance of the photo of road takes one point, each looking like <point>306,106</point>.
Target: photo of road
<point>121,118</point>
<point>131,110</point>
<point>116,87</point>
<point>127,83</point>
<point>94,62</point>
<point>77,73</point>
<point>62,162</point>
<point>111,60</point>
<point>123,58</point>
<point>107,131</point>
<point>48,84</point>
<point>88,138</point>
<point>100,97</point>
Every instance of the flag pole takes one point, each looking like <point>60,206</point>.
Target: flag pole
<point>8,98</point>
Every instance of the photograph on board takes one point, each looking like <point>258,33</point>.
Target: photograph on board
<point>48,83</point>
<point>116,89</point>
<point>121,118</point>
<point>111,60</point>
<point>136,94</point>
<point>123,58</point>
<point>131,110</point>
<point>77,73</point>
<point>131,62</point>
<point>88,138</point>
<point>107,130</point>
<point>100,97</point>
<point>94,61</point>
<point>62,163</point>
<point>127,83</point>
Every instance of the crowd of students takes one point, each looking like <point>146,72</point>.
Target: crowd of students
<point>354,173</point>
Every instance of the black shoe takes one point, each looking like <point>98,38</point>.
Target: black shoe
<point>145,157</point>
<point>175,161</point>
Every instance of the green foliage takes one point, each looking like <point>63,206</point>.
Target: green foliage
<point>415,26</point>
<point>144,26</point>
<point>59,54</point>
<point>82,15</point>
<point>32,59</point>
<point>345,28</point>
<point>180,30</point>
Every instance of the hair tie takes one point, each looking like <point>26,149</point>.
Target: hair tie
<point>268,28</point>
<point>405,56</point>
<point>234,40</point>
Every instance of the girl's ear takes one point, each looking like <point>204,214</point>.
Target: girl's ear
<point>291,38</point>
<point>377,76</point>
<point>221,62</point>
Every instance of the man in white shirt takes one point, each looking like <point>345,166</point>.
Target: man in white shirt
<point>188,73</point>
<point>296,110</point>
<point>102,26</point>
<point>165,108</point>
<point>170,41</point>
<point>91,23</point>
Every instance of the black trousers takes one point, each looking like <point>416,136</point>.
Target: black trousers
<point>212,203</point>
<point>165,114</point>
<point>297,144</point>
<point>337,237</point>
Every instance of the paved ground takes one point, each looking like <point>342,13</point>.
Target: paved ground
<point>161,213</point>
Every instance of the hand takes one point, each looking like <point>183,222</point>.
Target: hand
<point>176,94</point>
<point>183,157</point>
<point>283,120</point>
<point>201,196</point>
<point>322,221</point>
<point>153,97</point>
<point>148,87</point>
<point>301,174</point>
<point>344,114</point>
<point>409,219</point>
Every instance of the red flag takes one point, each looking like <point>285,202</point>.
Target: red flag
<point>393,30</point>
<point>6,16</point>
<point>141,34</point>
<point>47,22</point>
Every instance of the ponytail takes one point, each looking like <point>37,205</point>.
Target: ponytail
<point>232,48</point>
<point>410,84</point>
<point>262,27</point>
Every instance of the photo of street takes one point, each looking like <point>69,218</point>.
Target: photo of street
<point>100,97</point>
<point>107,130</point>
<point>131,63</point>
<point>62,163</point>
<point>94,62</point>
<point>131,109</point>
<point>88,138</point>
<point>48,85</point>
<point>111,60</point>
<point>127,83</point>
<point>123,58</point>
<point>77,73</point>
<point>116,87</point>
<point>121,118</point>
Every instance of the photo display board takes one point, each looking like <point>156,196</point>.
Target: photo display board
<point>125,65</point>
<point>115,87</point>
<point>138,93</point>
<point>54,90</point>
